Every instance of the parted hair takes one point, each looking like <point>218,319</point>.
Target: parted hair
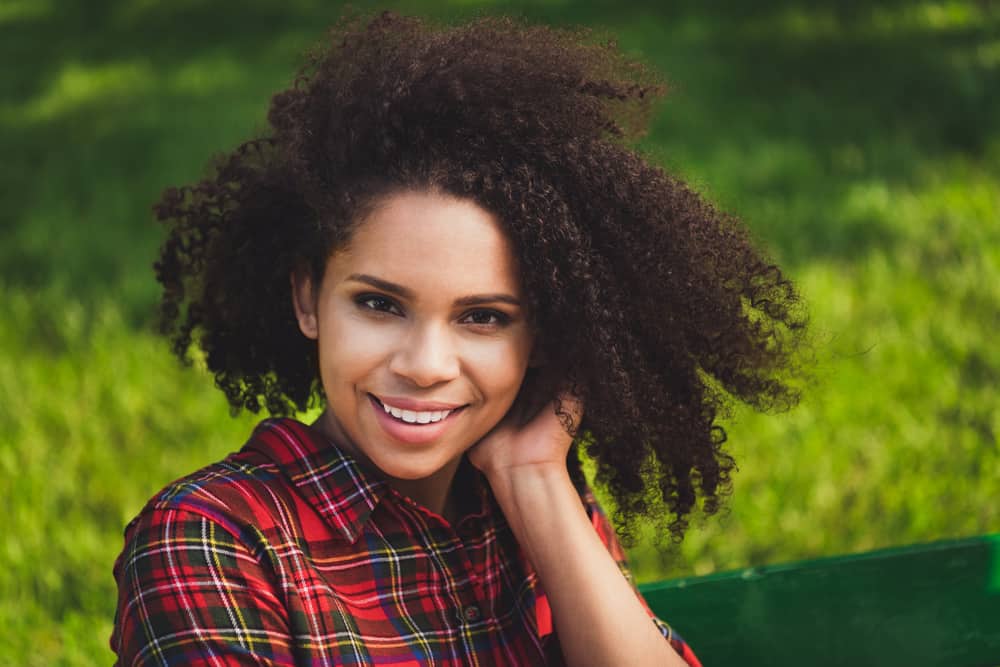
<point>652,305</point>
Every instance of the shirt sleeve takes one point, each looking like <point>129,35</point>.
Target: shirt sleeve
<point>191,593</point>
<point>607,534</point>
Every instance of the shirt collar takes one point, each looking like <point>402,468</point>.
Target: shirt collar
<point>327,478</point>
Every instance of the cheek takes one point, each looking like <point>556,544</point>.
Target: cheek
<point>349,349</point>
<point>500,367</point>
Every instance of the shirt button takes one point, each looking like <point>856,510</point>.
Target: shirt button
<point>471,613</point>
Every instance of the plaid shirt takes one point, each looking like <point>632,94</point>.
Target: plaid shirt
<point>288,553</point>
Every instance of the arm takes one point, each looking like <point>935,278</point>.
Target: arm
<point>607,533</point>
<point>190,593</point>
<point>597,614</point>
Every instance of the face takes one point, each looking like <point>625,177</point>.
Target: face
<point>423,339</point>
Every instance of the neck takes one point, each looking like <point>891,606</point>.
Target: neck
<point>434,492</point>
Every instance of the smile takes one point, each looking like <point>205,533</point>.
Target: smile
<point>409,416</point>
<point>407,427</point>
<point>414,417</point>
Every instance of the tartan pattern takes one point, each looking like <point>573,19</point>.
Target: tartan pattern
<point>287,553</point>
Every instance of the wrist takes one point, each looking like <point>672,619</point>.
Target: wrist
<point>537,502</point>
<point>527,479</point>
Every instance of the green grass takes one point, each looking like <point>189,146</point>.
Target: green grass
<point>860,143</point>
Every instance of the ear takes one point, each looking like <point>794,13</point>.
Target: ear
<point>304,302</point>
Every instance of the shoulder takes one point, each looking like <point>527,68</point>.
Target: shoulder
<point>283,486</point>
<point>215,519</point>
<point>194,548</point>
<point>232,492</point>
<point>248,493</point>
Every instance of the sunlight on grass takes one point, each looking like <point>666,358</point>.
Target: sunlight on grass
<point>12,11</point>
<point>950,15</point>
<point>816,21</point>
<point>78,85</point>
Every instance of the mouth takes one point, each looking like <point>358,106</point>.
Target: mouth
<point>414,418</point>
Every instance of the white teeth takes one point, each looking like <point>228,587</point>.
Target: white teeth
<point>412,417</point>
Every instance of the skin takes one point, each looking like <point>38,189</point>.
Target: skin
<point>428,346</point>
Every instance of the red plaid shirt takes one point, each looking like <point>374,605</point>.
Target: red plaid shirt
<point>287,553</point>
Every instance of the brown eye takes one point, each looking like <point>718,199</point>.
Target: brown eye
<point>487,318</point>
<point>377,303</point>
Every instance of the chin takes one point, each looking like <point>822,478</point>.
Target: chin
<point>417,468</point>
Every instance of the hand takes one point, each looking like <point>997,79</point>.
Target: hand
<point>540,442</point>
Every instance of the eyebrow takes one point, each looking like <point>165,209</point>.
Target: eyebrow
<point>406,293</point>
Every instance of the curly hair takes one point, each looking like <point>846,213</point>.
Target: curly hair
<point>655,307</point>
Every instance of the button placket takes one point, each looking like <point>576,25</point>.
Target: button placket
<point>453,562</point>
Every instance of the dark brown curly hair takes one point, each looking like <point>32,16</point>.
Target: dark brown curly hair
<point>653,306</point>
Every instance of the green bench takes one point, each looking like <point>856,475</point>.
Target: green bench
<point>935,604</point>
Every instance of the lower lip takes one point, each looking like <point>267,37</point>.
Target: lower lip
<point>412,433</point>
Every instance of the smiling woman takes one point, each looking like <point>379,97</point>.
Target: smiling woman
<point>444,332</point>
<point>444,241</point>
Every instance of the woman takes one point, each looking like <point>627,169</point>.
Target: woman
<point>444,242</point>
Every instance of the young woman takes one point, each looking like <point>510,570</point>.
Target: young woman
<point>445,242</point>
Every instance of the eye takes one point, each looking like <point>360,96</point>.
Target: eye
<point>377,303</point>
<point>487,318</point>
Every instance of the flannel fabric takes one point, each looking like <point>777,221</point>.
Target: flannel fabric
<point>288,553</point>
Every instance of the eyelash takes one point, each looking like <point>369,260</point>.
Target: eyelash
<point>363,299</point>
<point>388,306</point>
<point>502,319</point>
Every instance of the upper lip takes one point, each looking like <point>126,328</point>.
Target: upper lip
<point>416,406</point>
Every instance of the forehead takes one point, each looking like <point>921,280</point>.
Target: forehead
<point>433,241</point>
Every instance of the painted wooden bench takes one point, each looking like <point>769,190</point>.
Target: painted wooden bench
<point>934,604</point>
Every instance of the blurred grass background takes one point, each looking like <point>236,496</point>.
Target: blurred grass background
<point>859,140</point>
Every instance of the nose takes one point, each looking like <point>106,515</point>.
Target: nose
<point>427,356</point>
